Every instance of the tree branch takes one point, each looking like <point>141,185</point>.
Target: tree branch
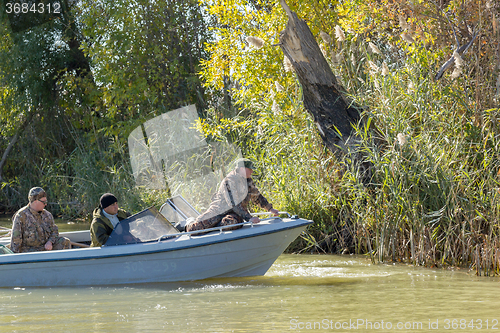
<point>461,50</point>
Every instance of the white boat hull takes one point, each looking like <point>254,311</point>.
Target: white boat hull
<point>248,251</point>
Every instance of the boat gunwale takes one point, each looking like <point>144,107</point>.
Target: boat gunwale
<point>204,231</point>
<point>229,238</point>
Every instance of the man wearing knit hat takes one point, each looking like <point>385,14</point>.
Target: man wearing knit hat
<point>33,227</point>
<point>105,219</point>
<point>230,203</point>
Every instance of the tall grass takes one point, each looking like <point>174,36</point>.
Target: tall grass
<point>433,197</point>
<point>436,199</point>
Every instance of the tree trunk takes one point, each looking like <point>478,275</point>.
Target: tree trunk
<point>12,142</point>
<point>323,98</point>
<point>6,153</point>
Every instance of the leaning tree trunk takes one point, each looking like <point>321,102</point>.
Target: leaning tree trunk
<point>333,114</point>
<point>12,142</point>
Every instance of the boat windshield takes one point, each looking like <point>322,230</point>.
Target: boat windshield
<point>142,227</point>
<point>5,250</point>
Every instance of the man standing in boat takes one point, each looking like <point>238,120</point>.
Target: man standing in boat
<point>33,227</point>
<point>230,203</point>
<point>105,219</point>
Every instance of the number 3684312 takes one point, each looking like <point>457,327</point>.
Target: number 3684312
<point>26,8</point>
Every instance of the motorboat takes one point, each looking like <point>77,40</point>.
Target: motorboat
<point>147,248</point>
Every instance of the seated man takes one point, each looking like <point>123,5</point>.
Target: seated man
<point>230,202</point>
<point>105,219</point>
<point>33,227</point>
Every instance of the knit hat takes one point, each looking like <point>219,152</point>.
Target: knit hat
<point>36,193</point>
<point>244,163</point>
<point>107,199</point>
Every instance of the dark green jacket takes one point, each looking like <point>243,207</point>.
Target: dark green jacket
<point>101,226</point>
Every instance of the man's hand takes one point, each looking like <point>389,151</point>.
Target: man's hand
<point>275,212</point>
<point>254,219</point>
<point>48,246</point>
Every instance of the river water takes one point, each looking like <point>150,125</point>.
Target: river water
<point>300,293</point>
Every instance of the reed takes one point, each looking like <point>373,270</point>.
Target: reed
<point>433,198</point>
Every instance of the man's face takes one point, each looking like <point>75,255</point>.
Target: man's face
<point>244,172</point>
<point>112,209</point>
<point>39,204</point>
<point>248,172</point>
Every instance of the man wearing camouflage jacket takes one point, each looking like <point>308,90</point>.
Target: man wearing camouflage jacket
<point>230,203</point>
<point>33,227</point>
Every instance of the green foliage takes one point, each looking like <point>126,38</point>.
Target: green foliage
<point>28,64</point>
<point>434,194</point>
<point>145,55</point>
<point>74,86</point>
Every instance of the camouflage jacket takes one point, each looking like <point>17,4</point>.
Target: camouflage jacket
<point>101,226</point>
<point>234,194</point>
<point>31,230</point>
